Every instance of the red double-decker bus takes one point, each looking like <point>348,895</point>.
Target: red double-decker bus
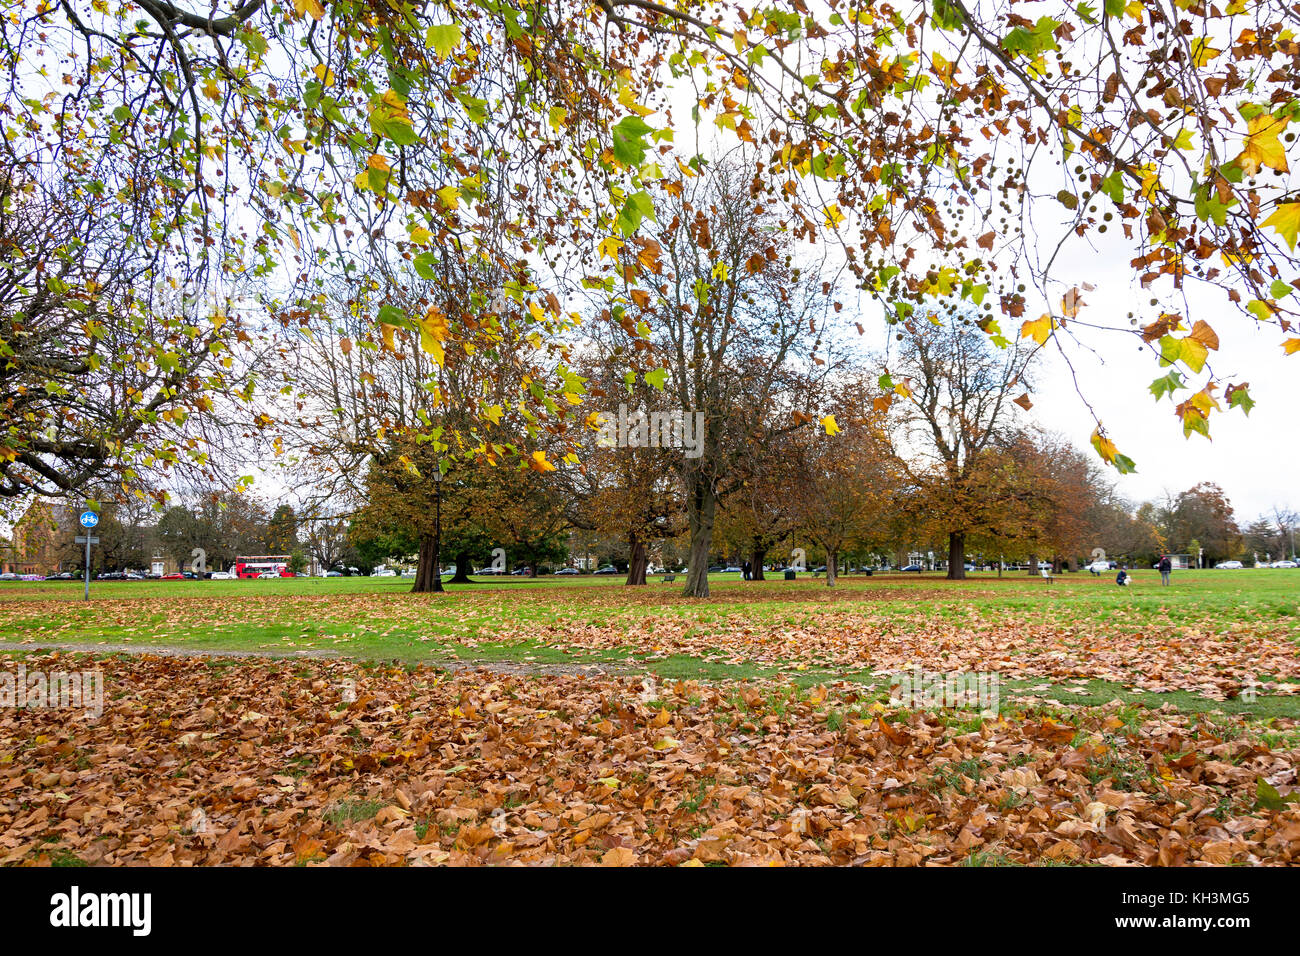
<point>253,565</point>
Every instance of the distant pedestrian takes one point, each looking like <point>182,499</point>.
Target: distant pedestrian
<point>1165,567</point>
<point>1122,578</point>
<point>745,570</point>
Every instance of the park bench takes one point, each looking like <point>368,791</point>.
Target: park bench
<point>1047,575</point>
<point>669,578</point>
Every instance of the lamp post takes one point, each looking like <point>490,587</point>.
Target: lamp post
<point>437,530</point>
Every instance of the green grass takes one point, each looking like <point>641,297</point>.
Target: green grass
<point>524,622</point>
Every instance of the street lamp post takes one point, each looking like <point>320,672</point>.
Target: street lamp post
<point>437,530</point>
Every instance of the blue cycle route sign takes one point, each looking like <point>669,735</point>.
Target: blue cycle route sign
<point>89,519</point>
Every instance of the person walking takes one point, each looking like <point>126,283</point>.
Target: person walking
<point>1166,566</point>
<point>746,571</point>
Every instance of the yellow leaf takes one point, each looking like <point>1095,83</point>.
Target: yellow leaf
<point>324,74</point>
<point>538,462</point>
<point>1038,329</point>
<point>313,8</point>
<point>1262,145</point>
<point>449,196</point>
<point>379,162</point>
<point>1105,447</point>
<point>832,427</point>
<point>1286,221</point>
<point>610,246</point>
<point>493,414</point>
<point>1202,52</point>
<point>420,236</point>
<point>1291,346</point>
<point>433,332</point>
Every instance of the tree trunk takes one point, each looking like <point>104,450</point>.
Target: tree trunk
<point>757,555</point>
<point>701,507</point>
<point>462,574</point>
<point>1033,565</point>
<point>900,559</point>
<point>956,555</point>
<point>637,562</point>
<point>427,578</point>
<point>832,563</point>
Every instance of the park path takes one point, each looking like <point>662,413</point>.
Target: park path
<point>454,664</point>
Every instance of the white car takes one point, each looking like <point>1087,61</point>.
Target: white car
<point>1283,564</point>
<point>222,576</point>
<point>1229,565</point>
<point>1098,567</point>
<point>385,573</point>
<point>269,574</point>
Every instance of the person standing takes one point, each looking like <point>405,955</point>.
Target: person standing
<point>745,571</point>
<point>1166,566</point>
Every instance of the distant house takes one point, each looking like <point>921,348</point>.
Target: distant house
<point>39,540</point>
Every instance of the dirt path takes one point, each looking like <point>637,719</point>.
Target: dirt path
<point>453,664</point>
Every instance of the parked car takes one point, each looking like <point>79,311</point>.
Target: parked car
<point>715,569</point>
<point>222,575</point>
<point>1283,564</point>
<point>731,569</point>
<point>65,576</point>
<point>567,571</point>
<point>174,576</point>
<point>1230,565</point>
<point>269,574</point>
<point>519,573</point>
<point>488,570</point>
<point>912,567</point>
<point>608,569</point>
<point>8,576</point>
<point>385,573</point>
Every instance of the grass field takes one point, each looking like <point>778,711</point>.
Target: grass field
<point>1198,640</point>
<point>576,720</point>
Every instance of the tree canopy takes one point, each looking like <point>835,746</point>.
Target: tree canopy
<point>952,151</point>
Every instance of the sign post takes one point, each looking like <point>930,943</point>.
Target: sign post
<point>88,520</point>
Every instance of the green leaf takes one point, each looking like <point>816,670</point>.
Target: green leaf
<point>657,378</point>
<point>443,38</point>
<point>392,315</point>
<point>1167,385</point>
<point>424,263</point>
<point>629,140</point>
<point>1239,397</point>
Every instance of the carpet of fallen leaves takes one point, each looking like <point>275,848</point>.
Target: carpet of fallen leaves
<point>333,762</point>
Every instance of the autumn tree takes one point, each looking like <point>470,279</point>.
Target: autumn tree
<point>1203,514</point>
<point>731,314</point>
<point>282,530</point>
<point>626,482</point>
<point>953,403</point>
<point>110,366</point>
<point>844,488</point>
